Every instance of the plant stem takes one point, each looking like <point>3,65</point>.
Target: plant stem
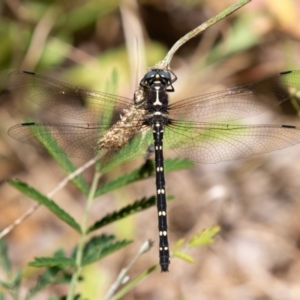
<point>84,227</point>
<point>123,274</point>
<point>165,63</point>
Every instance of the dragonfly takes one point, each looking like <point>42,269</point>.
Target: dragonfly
<point>204,128</point>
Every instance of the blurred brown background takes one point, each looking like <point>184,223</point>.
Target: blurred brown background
<point>255,201</point>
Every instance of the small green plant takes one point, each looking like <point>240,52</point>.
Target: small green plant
<point>66,268</point>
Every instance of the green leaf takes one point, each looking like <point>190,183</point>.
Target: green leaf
<point>138,205</point>
<point>57,262</point>
<point>126,211</point>
<point>135,175</point>
<point>129,152</point>
<point>146,171</point>
<point>51,276</point>
<point>17,279</point>
<point>53,262</point>
<point>99,247</point>
<point>178,244</point>
<point>204,237</point>
<point>13,285</point>
<point>50,144</point>
<point>176,164</point>
<point>96,242</point>
<point>183,256</point>
<point>50,204</point>
<point>4,259</point>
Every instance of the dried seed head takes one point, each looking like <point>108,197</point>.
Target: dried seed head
<point>124,130</point>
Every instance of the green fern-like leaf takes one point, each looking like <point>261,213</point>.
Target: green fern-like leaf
<point>62,262</point>
<point>126,211</point>
<point>13,284</point>
<point>123,180</point>
<point>183,256</point>
<point>99,247</point>
<point>178,244</point>
<point>50,204</point>
<point>97,242</point>
<point>204,237</point>
<point>146,171</point>
<point>50,144</point>
<point>51,276</point>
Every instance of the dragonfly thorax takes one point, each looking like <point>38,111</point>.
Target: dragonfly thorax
<point>157,97</point>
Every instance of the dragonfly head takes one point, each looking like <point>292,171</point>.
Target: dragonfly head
<point>161,77</point>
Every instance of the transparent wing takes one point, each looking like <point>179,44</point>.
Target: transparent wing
<point>64,99</point>
<point>238,102</point>
<point>213,142</point>
<point>76,140</point>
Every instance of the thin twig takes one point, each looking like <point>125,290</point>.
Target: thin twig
<point>165,63</point>
<point>80,170</point>
<point>122,277</point>
<point>20,220</point>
